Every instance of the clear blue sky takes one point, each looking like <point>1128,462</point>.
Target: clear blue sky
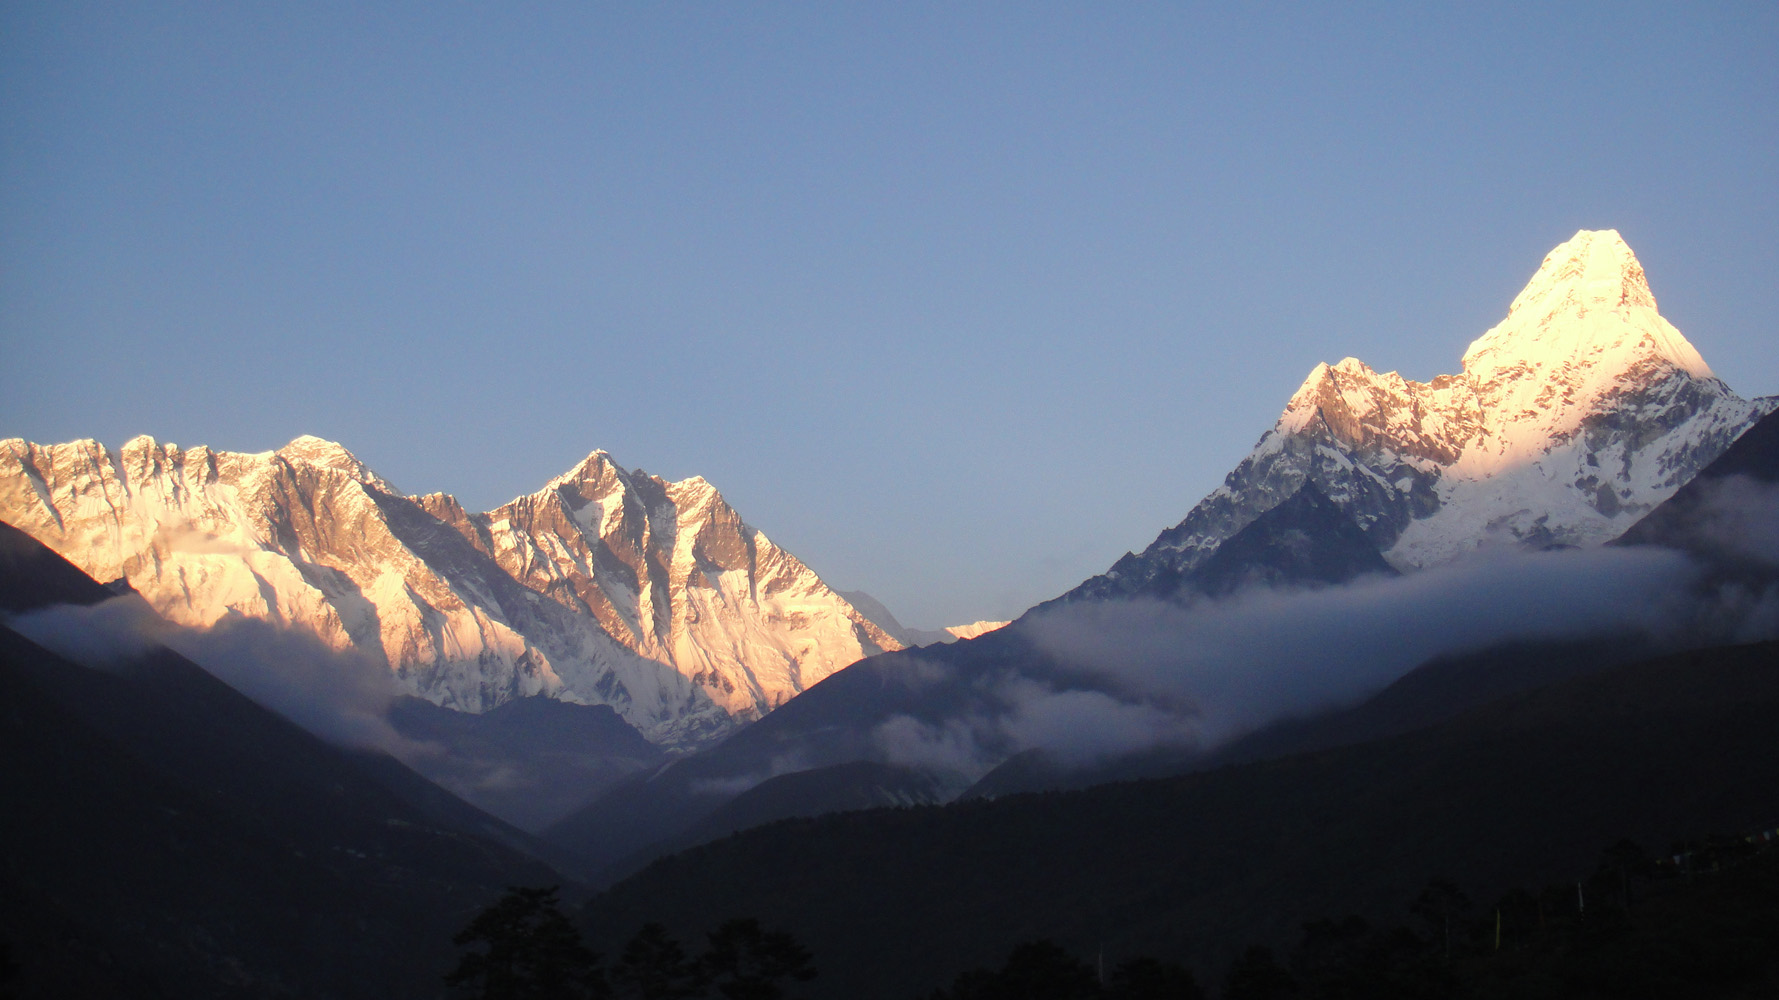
<point>958,302</point>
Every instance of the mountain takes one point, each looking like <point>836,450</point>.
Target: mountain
<point>671,570</point>
<point>858,784</point>
<point>529,761</point>
<point>1726,519</point>
<point>1579,412</point>
<point>875,610</point>
<point>1434,692</point>
<point>167,837</point>
<point>972,630</point>
<point>1526,790</point>
<point>840,721</point>
<point>1307,540</point>
<point>1725,514</point>
<point>944,713</point>
<point>604,587</point>
<point>1723,519</point>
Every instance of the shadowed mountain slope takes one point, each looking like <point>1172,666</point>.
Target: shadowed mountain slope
<point>32,576</point>
<point>1530,788</point>
<point>165,836</point>
<point>1576,414</point>
<point>530,761</point>
<point>1726,514</point>
<point>835,722</point>
<point>855,716</point>
<point>1306,541</point>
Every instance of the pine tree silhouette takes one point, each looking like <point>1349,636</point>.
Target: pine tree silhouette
<point>524,948</point>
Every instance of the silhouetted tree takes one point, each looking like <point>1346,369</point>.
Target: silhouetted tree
<point>1151,979</point>
<point>1035,970</point>
<point>1334,960</point>
<point>1041,970</point>
<point>1257,975</point>
<point>1621,863</point>
<point>524,948</point>
<point>1516,917</point>
<point>747,963</point>
<point>9,971</point>
<point>1441,905</point>
<point>653,966</point>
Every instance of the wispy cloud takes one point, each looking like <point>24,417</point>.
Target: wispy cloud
<point>1263,654</point>
<point>1144,673</point>
<point>343,696</point>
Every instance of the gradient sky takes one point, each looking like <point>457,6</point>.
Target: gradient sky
<point>958,302</point>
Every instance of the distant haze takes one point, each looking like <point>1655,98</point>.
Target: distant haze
<point>957,303</point>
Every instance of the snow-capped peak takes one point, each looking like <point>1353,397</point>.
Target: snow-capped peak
<point>326,454</point>
<point>592,469</point>
<point>1595,267</point>
<point>695,492</point>
<point>1588,304</point>
<point>1581,410</point>
<point>607,587</point>
<point>1584,330</point>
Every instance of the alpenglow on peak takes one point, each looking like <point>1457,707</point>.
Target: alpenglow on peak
<point>332,455</point>
<point>605,587</point>
<point>1578,412</point>
<point>1588,305</point>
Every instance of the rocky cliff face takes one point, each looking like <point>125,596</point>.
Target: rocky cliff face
<point>673,573</point>
<point>605,587</point>
<point>1579,412</point>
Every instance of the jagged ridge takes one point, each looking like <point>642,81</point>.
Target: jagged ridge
<point>1579,412</point>
<point>605,587</point>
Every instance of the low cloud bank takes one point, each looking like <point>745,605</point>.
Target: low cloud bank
<point>342,696</point>
<point>1106,678</point>
<point>110,636</point>
<point>729,786</point>
<point>1261,655</point>
<point>1736,520</point>
<point>1145,673</point>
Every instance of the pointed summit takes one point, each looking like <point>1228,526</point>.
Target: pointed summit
<point>595,468</point>
<point>1595,269</point>
<point>332,455</point>
<point>672,571</point>
<point>1581,410</point>
<point>1587,310</point>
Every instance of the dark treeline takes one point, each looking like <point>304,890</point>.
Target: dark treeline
<point>1700,923</point>
<point>525,948</point>
<point>1196,868</point>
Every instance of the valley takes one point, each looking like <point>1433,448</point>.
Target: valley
<point>1472,630</point>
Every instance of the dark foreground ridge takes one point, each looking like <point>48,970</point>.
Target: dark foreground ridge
<point>1195,869</point>
<point>167,837</point>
